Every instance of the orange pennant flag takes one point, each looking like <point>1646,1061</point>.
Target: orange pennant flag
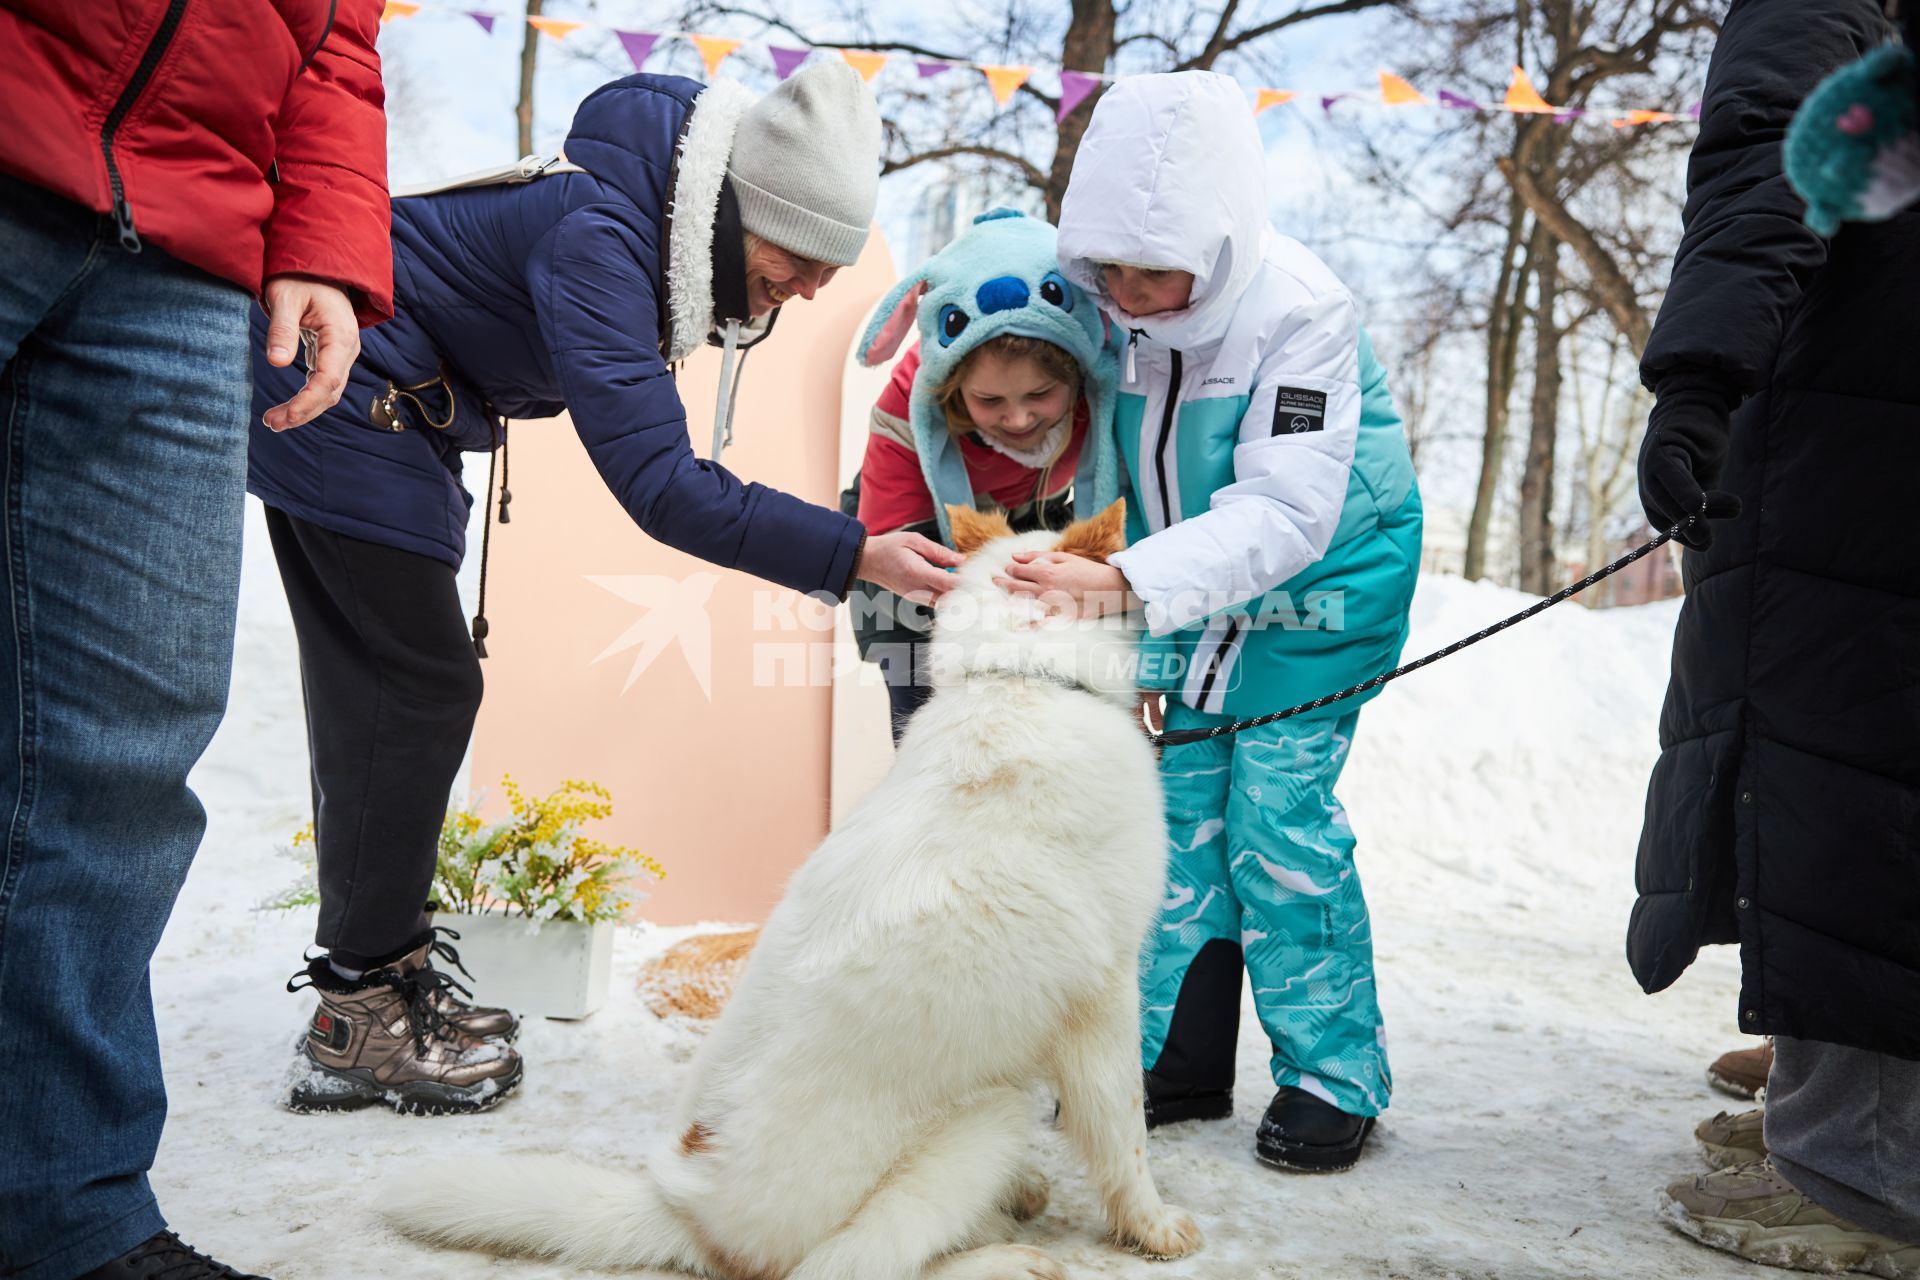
<point>1522,96</point>
<point>554,27</point>
<point>867,64</point>
<point>1396,92</point>
<point>1643,117</point>
<point>1004,80</point>
<point>714,51</point>
<point>1272,98</point>
<point>398,9</point>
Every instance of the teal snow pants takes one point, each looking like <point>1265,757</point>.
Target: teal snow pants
<point>1261,873</point>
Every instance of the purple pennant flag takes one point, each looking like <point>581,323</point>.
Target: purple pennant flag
<point>1571,113</point>
<point>1694,111</point>
<point>484,19</point>
<point>1459,103</point>
<point>1326,103</point>
<point>785,60</point>
<point>1074,88</point>
<point>928,70</point>
<point>638,45</point>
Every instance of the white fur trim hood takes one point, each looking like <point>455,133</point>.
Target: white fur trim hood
<point>694,203</point>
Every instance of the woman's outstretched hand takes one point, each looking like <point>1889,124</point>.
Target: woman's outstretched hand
<point>908,564</point>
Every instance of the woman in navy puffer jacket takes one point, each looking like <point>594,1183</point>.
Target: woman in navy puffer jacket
<point>681,210</point>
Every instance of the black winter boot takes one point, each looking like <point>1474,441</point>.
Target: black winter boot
<point>1169,1102</point>
<point>165,1255</point>
<point>1305,1134</point>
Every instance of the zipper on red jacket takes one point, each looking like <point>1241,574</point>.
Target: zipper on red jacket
<point>1166,439</point>
<point>156,49</point>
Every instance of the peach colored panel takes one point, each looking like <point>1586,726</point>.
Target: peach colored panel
<point>727,787</point>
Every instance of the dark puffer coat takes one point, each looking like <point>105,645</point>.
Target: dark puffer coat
<point>1784,812</point>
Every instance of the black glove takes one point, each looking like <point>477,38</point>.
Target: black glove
<point>1681,454</point>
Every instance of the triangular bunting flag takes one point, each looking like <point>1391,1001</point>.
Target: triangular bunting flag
<point>1458,103</point>
<point>1569,115</point>
<point>786,60</point>
<point>1642,116</point>
<point>1074,88</point>
<point>638,45</point>
<point>866,62</point>
<point>554,27</point>
<point>398,9</point>
<point>1396,92</point>
<point>1326,102</point>
<point>928,70</point>
<point>1522,96</point>
<point>1004,80</point>
<point>714,51</point>
<point>484,19</point>
<point>1693,112</point>
<point>1272,98</point>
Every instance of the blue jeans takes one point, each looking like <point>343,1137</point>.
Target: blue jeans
<point>123,436</point>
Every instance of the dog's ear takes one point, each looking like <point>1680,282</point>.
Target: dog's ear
<point>975,529</point>
<point>1098,538</point>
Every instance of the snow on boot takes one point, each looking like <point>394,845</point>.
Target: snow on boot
<point>165,1257</point>
<point>1756,1214</point>
<point>1302,1133</point>
<point>1733,1138</point>
<point>382,1039</point>
<point>1742,1073</point>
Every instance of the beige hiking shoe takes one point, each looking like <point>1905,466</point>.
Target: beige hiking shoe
<point>1742,1073</point>
<point>1756,1214</point>
<point>383,1039</point>
<point>1733,1138</point>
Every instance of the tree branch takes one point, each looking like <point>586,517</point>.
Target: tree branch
<point>1611,287</point>
<point>1032,173</point>
<point>1222,45</point>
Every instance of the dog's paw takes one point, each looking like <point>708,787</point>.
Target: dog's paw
<point>1027,1198</point>
<point>1166,1233</point>
<point>998,1262</point>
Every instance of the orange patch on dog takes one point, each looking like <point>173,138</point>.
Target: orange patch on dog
<point>975,529</point>
<point>1099,537</point>
<point>696,1139</point>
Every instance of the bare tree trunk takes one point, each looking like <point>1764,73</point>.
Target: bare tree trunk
<point>529,54</point>
<point>1088,46</point>
<point>1503,332</point>
<point>1536,481</point>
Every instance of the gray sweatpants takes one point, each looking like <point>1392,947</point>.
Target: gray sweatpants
<point>1843,1126</point>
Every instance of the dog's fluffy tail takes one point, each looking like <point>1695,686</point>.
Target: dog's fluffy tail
<point>543,1206</point>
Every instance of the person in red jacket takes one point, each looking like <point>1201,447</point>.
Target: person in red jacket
<point>163,165</point>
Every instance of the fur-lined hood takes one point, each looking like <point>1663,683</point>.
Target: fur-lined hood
<point>605,143</point>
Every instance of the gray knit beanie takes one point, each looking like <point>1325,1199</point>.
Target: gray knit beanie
<point>806,163</point>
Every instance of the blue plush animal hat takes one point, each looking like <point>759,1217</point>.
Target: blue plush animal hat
<point>1853,151</point>
<point>1000,276</point>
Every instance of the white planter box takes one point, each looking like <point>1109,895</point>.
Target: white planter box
<point>562,971</point>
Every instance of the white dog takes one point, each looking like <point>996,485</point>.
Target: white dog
<point>861,1109</point>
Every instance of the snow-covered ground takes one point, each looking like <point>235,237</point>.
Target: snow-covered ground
<point>1541,1099</point>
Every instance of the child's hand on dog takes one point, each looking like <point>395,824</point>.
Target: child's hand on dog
<point>1070,584</point>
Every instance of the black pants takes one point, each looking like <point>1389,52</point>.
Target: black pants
<point>904,666</point>
<point>392,687</point>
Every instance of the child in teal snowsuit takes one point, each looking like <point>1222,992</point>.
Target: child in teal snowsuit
<point>1274,530</point>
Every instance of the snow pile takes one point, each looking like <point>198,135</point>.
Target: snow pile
<point>1540,1101</point>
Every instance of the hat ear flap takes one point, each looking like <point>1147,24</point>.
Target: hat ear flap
<point>892,322</point>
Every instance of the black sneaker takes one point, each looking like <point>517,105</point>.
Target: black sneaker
<point>1169,1102</point>
<point>165,1256</point>
<point>1304,1134</point>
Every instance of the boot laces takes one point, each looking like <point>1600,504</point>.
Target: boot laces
<point>181,1261</point>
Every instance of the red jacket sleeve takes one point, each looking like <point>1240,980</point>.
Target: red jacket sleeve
<point>893,493</point>
<point>330,212</point>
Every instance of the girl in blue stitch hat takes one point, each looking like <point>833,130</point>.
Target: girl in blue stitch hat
<point>1006,403</point>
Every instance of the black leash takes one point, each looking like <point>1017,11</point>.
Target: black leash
<point>1181,737</point>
